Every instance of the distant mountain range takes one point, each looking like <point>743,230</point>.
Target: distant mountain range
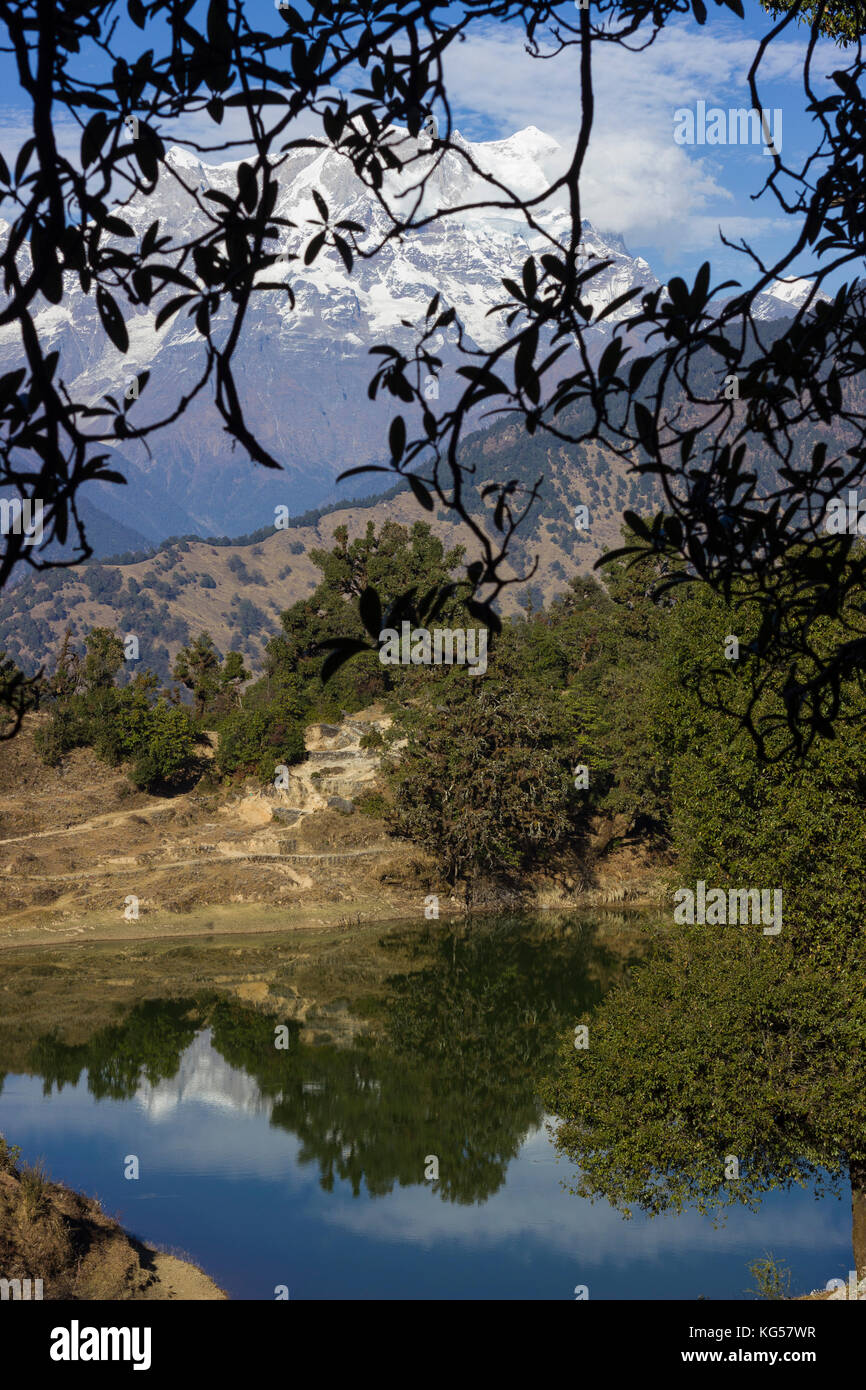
<point>303,372</point>
<point>237,590</point>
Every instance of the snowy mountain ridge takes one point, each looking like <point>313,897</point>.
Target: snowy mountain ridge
<point>303,370</point>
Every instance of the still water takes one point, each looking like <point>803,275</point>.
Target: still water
<point>305,1166</point>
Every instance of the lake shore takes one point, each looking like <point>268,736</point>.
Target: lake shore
<point>76,1252</point>
<point>259,920</point>
<point>86,858</point>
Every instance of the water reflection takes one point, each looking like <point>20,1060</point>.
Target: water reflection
<point>294,1166</point>
<point>467,1036</point>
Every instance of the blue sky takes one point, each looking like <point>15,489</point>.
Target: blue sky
<point>668,201</point>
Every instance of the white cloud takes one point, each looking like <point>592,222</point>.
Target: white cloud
<point>544,1213</point>
<point>637,181</point>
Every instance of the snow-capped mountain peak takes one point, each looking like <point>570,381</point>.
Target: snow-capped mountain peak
<point>303,368</point>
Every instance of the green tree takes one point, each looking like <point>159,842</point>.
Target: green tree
<point>613,692</point>
<point>103,659</point>
<point>197,667</point>
<point>729,1043</point>
<point>844,20</point>
<point>233,675</point>
<point>737,817</point>
<point>165,755</point>
<point>255,739</point>
<point>389,562</point>
<point>483,783</point>
<point>66,677</point>
<point>120,729</point>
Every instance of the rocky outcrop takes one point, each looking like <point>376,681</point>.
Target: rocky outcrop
<point>336,771</point>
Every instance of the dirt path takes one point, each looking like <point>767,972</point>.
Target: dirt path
<point>113,870</point>
<point>107,821</point>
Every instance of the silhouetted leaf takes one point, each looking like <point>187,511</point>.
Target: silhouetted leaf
<point>636,524</point>
<point>421,493</point>
<point>397,438</point>
<point>112,319</point>
<point>339,657</point>
<point>314,248</point>
<point>344,251</point>
<point>370,608</point>
<point>93,137</point>
<point>247,186</point>
<point>171,308</point>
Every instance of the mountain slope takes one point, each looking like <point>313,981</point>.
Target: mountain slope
<point>237,591</point>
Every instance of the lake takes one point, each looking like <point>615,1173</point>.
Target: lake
<point>309,1166</point>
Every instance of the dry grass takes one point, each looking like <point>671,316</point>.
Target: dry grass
<point>66,1240</point>
<point>48,1232</point>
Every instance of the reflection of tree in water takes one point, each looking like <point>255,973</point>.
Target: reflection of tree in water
<point>469,1036</point>
<point>722,1046</point>
<point>146,1046</point>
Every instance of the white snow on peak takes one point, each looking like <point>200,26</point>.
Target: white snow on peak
<point>462,257</point>
<point>184,158</point>
<point>791,291</point>
<point>531,143</point>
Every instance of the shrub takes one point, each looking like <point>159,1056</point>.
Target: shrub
<point>255,740</point>
<point>372,804</point>
<point>772,1278</point>
<point>9,1156</point>
<point>68,728</point>
<point>34,1190</point>
<point>165,753</point>
<point>237,567</point>
<point>121,732</point>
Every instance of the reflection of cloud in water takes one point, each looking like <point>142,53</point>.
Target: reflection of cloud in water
<point>527,1208</point>
<point>204,1078</point>
<point>212,1120</point>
